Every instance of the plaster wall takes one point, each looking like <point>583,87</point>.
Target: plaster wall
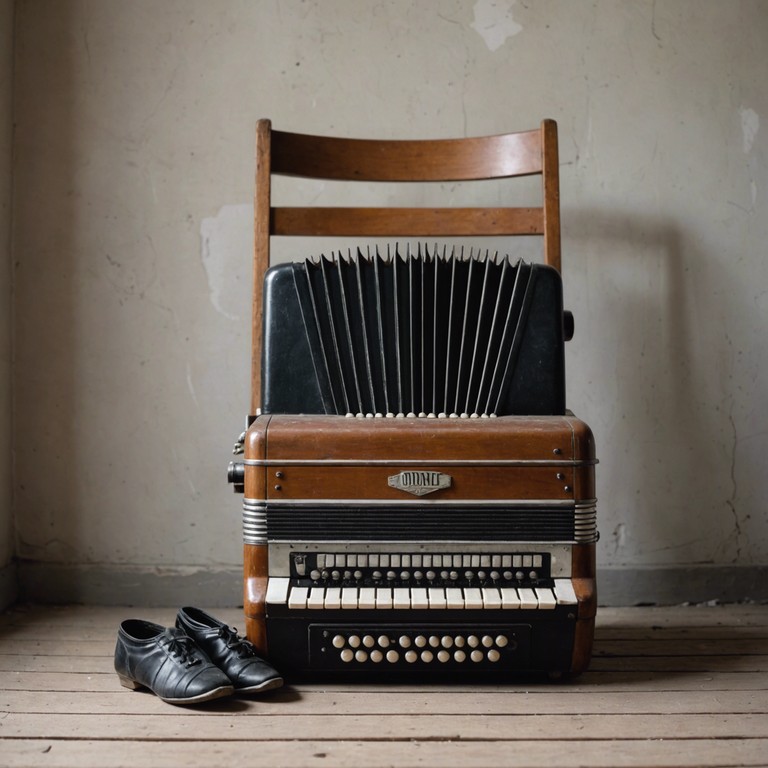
<point>7,565</point>
<point>132,249</point>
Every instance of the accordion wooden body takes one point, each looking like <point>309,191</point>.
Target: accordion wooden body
<point>417,501</point>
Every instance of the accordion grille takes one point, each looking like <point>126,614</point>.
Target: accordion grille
<point>425,523</point>
<point>421,334</point>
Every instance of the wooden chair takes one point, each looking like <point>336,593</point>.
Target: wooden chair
<point>526,153</point>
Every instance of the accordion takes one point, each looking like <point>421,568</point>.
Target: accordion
<point>417,501</point>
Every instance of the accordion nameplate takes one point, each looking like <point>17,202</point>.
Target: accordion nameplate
<point>420,483</point>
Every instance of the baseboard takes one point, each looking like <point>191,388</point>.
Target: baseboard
<point>222,587</point>
<point>682,584</point>
<point>129,585</point>
<point>9,585</point>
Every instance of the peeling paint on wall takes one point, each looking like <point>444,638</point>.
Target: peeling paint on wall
<point>750,124</point>
<point>494,22</point>
<point>226,254</point>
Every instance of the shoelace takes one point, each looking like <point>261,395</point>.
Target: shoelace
<point>183,648</point>
<point>236,643</point>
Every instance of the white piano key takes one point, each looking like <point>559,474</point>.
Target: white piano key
<point>509,598</point>
<point>546,598</point>
<point>333,598</point>
<point>401,597</point>
<point>349,597</point>
<point>473,597</point>
<point>419,599</point>
<point>316,598</point>
<point>298,597</point>
<point>383,598</point>
<point>491,597</point>
<point>367,597</point>
<point>277,590</point>
<point>436,596</point>
<point>454,598</point>
<point>527,598</point>
<point>564,592</point>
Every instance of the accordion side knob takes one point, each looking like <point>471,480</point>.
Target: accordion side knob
<point>236,476</point>
<point>568,325</point>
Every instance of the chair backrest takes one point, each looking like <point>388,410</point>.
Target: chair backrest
<point>524,153</point>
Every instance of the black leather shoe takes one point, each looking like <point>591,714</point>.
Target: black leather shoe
<point>234,655</point>
<point>167,662</point>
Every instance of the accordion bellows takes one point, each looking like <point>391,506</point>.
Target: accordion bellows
<point>435,333</point>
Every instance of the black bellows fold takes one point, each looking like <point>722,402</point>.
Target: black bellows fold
<point>431,333</point>
<point>417,335</point>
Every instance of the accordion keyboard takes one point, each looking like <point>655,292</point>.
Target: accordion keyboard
<point>281,592</point>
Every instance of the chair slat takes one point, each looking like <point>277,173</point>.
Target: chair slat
<point>485,157</point>
<point>407,222</point>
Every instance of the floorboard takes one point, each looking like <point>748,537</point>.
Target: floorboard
<point>682,686</point>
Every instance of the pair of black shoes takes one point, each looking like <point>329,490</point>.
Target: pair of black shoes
<point>198,660</point>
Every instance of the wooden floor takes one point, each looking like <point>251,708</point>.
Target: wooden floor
<point>685,686</point>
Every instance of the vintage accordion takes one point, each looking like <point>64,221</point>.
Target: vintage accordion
<point>418,502</point>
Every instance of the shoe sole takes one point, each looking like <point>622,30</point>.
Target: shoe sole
<point>216,693</point>
<point>268,685</point>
